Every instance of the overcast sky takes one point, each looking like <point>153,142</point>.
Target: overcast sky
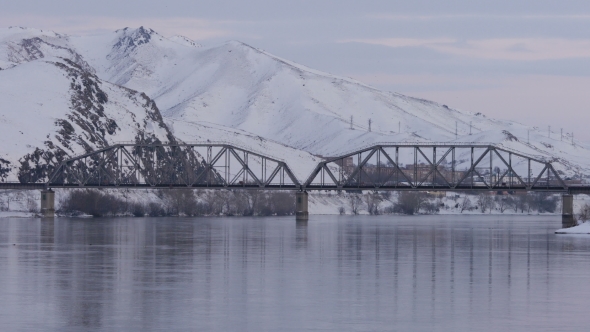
<point>523,60</point>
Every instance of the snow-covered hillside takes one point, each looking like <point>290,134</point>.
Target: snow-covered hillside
<point>52,108</point>
<point>234,92</point>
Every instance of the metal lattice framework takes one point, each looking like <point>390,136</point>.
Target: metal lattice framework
<point>173,165</point>
<point>438,167</point>
<point>381,167</point>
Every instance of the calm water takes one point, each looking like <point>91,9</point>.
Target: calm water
<point>386,273</point>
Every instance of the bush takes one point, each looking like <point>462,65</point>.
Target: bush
<point>138,209</point>
<point>409,202</point>
<point>283,203</point>
<point>156,210</point>
<point>429,208</point>
<point>180,202</point>
<point>545,202</point>
<point>93,202</point>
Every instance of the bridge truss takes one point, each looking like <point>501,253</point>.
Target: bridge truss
<point>435,167</point>
<point>173,165</point>
<point>445,167</point>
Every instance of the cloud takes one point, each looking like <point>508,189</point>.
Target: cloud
<point>517,49</point>
<point>411,17</point>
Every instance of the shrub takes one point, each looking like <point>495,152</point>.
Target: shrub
<point>409,202</point>
<point>93,202</point>
<point>156,210</point>
<point>138,209</point>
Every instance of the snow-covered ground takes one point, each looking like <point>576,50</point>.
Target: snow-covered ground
<point>583,228</point>
<point>17,214</point>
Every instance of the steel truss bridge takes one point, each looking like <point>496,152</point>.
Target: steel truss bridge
<point>446,167</point>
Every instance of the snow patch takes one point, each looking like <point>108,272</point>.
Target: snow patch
<point>583,228</point>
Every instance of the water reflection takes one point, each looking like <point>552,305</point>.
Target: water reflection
<point>301,234</point>
<point>331,273</point>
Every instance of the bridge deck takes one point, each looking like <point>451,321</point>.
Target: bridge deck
<point>41,186</point>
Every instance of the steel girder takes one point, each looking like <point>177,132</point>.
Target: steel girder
<point>173,165</point>
<point>435,167</point>
<point>381,167</point>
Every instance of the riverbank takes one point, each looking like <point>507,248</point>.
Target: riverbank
<point>583,228</point>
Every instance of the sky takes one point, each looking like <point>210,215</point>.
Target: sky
<point>527,61</point>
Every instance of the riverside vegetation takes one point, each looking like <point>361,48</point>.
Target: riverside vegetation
<point>187,202</point>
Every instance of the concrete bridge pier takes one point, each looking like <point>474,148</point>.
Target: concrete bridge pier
<point>301,210</point>
<point>48,203</point>
<point>567,211</point>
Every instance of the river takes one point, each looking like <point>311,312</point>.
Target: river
<point>333,273</point>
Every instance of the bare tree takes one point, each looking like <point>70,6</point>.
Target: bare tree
<point>513,204</point>
<point>180,201</point>
<point>504,203</point>
<point>521,203</point>
<point>584,214</point>
<point>355,203</point>
<point>243,203</point>
<point>465,204</point>
<point>484,201</point>
<point>545,202</point>
<point>229,203</point>
<point>216,201</point>
<point>373,203</point>
<point>32,205</point>
<point>530,203</point>
<point>341,210</point>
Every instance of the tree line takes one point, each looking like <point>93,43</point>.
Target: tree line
<point>179,202</point>
<point>413,202</point>
<point>187,202</point>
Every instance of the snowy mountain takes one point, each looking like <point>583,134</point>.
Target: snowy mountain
<point>52,108</point>
<point>234,92</point>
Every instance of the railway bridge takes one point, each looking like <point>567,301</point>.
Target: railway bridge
<point>379,167</point>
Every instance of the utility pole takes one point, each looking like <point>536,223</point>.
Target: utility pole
<point>469,127</point>
<point>369,125</point>
<point>351,122</point>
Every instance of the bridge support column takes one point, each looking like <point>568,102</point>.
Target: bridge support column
<point>48,203</point>
<point>567,211</point>
<point>301,211</point>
